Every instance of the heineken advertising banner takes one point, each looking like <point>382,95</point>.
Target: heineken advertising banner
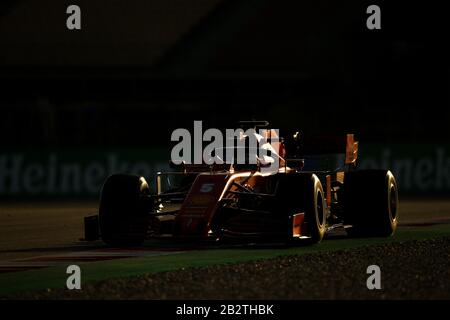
<point>419,169</point>
<point>73,173</point>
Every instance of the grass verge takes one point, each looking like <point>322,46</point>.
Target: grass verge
<point>55,277</point>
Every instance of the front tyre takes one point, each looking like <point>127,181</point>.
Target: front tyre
<point>124,210</point>
<point>304,193</point>
<point>315,213</point>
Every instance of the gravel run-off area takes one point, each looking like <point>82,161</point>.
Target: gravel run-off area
<point>417,269</point>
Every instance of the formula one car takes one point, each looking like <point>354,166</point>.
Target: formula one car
<point>316,189</point>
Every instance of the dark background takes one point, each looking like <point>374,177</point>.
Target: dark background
<point>139,69</point>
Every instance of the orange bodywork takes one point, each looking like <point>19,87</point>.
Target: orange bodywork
<point>298,225</point>
<point>200,204</point>
<point>351,150</point>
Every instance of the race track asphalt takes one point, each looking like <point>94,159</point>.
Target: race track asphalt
<point>43,238</point>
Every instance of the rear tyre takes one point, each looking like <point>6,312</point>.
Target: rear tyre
<point>304,193</point>
<point>371,203</point>
<point>124,210</point>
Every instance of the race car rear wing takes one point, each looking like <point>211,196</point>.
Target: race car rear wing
<point>298,146</point>
<point>351,150</point>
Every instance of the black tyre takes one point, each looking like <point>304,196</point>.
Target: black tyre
<point>304,193</point>
<point>124,210</point>
<point>371,203</point>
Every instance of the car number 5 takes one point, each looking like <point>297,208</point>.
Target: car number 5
<point>207,187</point>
